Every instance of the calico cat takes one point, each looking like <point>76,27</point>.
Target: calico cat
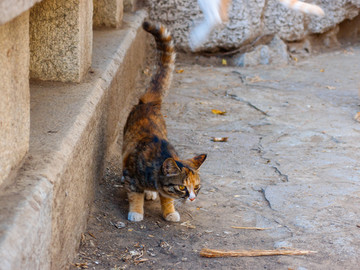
<point>150,163</point>
<point>216,12</point>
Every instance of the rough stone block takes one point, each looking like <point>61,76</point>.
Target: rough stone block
<point>250,19</point>
<point>274,53</point>
<point>14,92</point>
<point>61,40</point>
<point>108,13</point>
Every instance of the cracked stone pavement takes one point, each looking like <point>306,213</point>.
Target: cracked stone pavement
<point>290,165</point>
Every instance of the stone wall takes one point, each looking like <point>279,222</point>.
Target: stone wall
<point>250,19</point>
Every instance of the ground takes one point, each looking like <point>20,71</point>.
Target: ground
<point>290,165</point>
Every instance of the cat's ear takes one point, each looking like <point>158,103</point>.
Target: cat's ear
<point>198,161</point>
<point>170,168</point>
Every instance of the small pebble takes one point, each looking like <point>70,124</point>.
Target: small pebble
<point>119,225</point>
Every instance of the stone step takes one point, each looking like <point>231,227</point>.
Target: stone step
<point>74,127</point>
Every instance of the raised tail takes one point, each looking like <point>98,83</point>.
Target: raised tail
<point>303,7</point>
<point>161,80</point>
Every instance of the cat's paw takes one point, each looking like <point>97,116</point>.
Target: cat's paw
<point>150,195</point>
<point>133,216</point>
<point>173,217</point>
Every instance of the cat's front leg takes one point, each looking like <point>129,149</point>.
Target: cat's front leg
<point>168,209</point>
<point>136,206</point>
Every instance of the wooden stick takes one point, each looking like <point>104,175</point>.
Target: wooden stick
<point>214,253</point>
<point>250,228</point>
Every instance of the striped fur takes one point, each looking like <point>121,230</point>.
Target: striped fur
<point>150,162</point>
<point>161,80</point>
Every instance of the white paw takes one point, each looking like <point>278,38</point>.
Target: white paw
<point>150,195</point>
<point>173,217</point>
<point>133,216</point>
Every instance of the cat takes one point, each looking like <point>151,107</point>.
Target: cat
<point>216,13</point>
<point>150,163</point>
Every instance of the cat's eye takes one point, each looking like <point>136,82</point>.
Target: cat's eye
<point>182,188</point>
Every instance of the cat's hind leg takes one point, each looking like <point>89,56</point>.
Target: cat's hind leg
<point>168,209</point>
<point>150,195</point>
<point>136,206</point>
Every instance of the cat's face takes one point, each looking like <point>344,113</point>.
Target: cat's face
<point>182,180</point>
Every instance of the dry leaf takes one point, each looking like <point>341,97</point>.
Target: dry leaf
<point>220,139</point>
<point>147,72</point>
<point>357,117</point>
<point>351,51</point>
<point>218,112</point>
<point>322,70</point>
<point>81,265</point>
<point>224,62</point>
<point>150,235</point>
<point>331,87</point>
<point>254,79</point>
<point>179,71</point>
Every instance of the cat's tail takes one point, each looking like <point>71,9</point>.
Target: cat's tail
<point>303,7</point>
<point>160,81</point>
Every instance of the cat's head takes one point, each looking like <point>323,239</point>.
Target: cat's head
<point>181,178</point>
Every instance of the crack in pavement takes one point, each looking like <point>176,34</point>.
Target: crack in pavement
<point>284,177</point>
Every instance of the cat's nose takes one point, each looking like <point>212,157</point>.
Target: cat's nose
<point>192,196</point>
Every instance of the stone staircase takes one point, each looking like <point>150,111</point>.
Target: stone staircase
<point>58,127</point>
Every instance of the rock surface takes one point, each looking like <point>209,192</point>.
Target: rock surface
<point>251,19</point>
<point>275,53</point>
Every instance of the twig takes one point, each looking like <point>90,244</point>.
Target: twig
<point>137,261</point>
<point>214,253</point>
<point>92,235</point>
<point>250,228</point>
